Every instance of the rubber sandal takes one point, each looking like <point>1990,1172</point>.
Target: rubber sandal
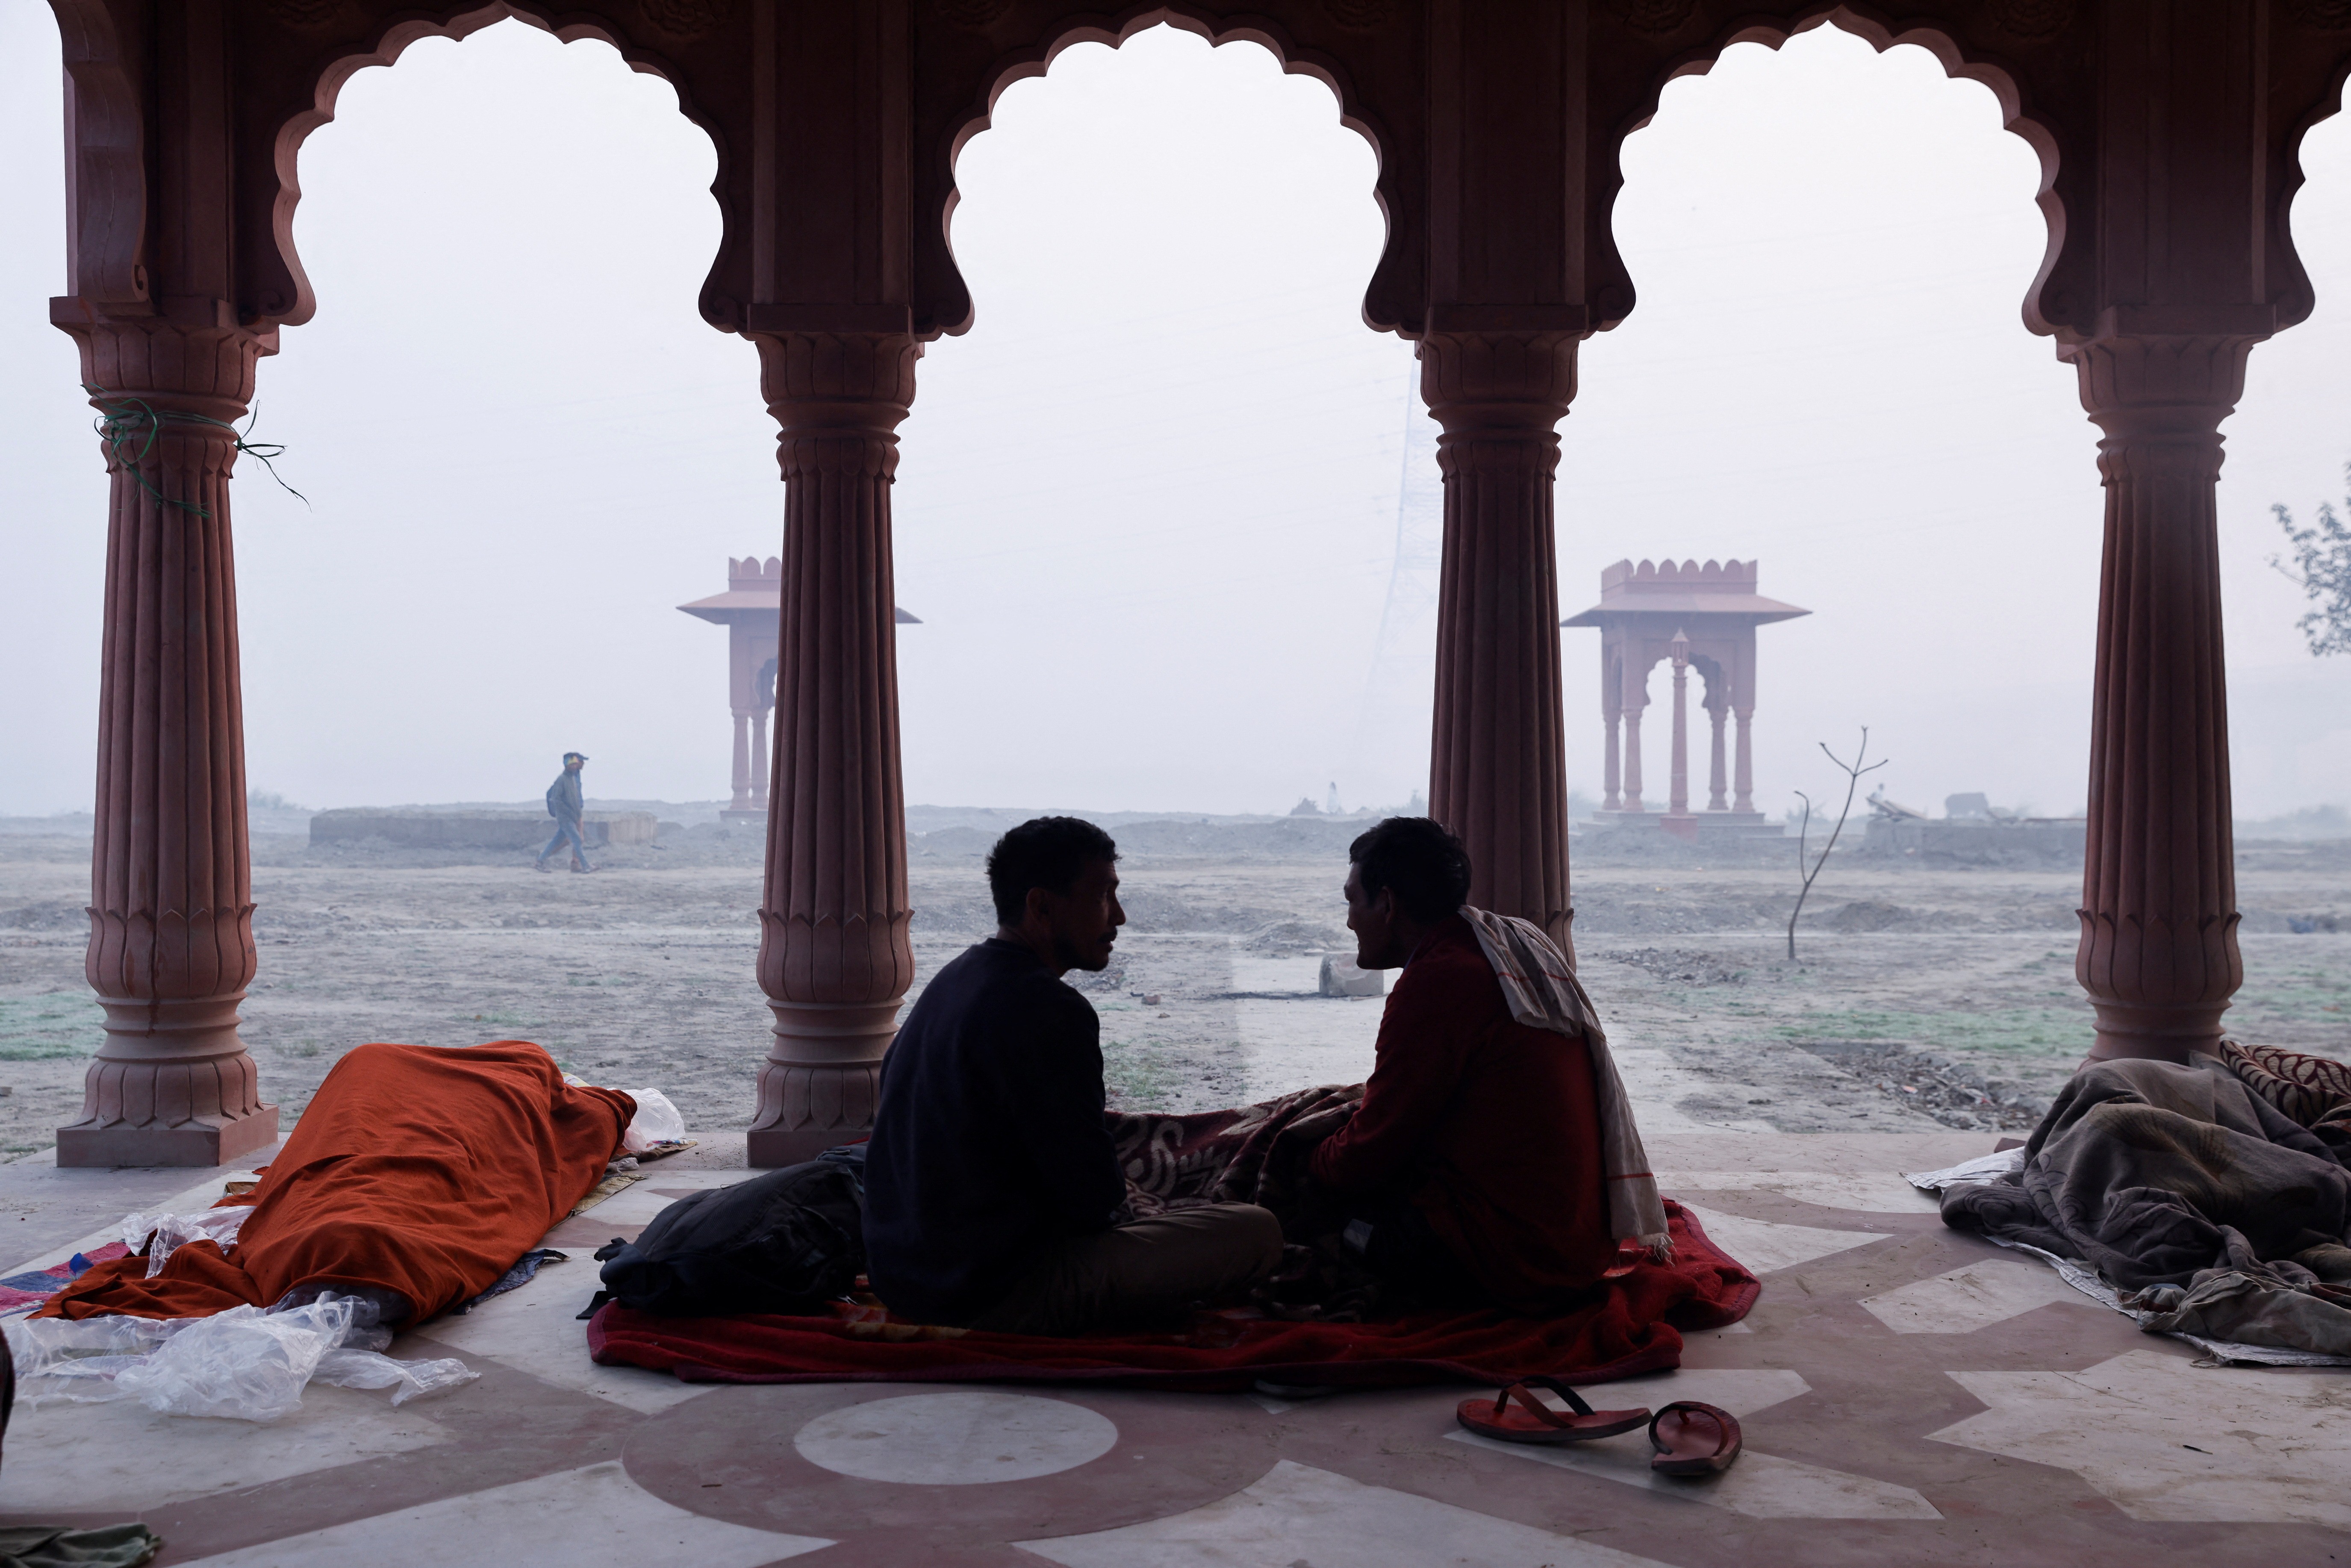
<point>1532,1421</point>
<point>1693,1439</point>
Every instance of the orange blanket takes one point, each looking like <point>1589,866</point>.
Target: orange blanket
<point>416,1170</point>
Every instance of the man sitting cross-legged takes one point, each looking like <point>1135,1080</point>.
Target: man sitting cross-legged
<point>992,1191</point>
<point>1474,1164</point>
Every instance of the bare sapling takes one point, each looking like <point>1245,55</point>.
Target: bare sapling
<point>1853,772</point>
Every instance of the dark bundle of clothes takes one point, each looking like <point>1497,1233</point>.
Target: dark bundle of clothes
<point>2215,1195</point>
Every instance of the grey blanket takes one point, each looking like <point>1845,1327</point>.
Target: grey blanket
<point>2180,1183</point>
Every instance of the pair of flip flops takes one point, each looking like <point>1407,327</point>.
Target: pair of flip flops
<point>1689,1439</point>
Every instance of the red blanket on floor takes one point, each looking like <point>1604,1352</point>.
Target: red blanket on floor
<point>1630,1326</point>
<point>416,1170</point>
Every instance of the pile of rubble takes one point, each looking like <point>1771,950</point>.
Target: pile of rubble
<point>1936,1086</point>
<point>1677,965</point>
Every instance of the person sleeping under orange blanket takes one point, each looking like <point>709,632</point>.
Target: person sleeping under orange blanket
<point>1474,1163</point>
<point>416,1178</point>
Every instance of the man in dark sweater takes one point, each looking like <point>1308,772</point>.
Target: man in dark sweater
<point>1473,1165</point>
<point>993,1194</point>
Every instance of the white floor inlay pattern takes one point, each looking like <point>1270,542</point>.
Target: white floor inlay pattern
<point>957,1439</point>
<point>1759,1486</point>
<point>1764,1245</point>
<point>535,1330</point>
<point>2167,1439</point>
<point>591,1516</point>
<point>122,1455</point>
<point>1873,1193</point>
<point>1297,1514</point>
<point>1977,1296</point>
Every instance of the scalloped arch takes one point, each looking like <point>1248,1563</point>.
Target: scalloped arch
<point>2300,298</point>
<point>287,299</point>
<point>1938,40</point>
<point>1115,28</point>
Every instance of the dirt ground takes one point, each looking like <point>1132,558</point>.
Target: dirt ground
<point>1920,995</point>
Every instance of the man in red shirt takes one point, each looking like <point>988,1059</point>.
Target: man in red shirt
<point>1474,1164</point>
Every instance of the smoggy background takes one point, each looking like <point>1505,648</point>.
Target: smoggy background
<point>1149,506</point>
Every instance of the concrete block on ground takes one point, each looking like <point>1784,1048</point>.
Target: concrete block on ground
<point>475,829</point>
<point>1342,979</point>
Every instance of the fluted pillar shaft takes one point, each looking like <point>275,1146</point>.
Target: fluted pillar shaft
<point>2159,951</point>
<point>1498,764</point>
<point>171,943</point>
<point>835,956</point>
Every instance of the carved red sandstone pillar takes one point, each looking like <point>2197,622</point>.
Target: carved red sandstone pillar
<point>171,942</point>
<point>1498,764</point>
<point>2159,952</point>
<point>834,952</point>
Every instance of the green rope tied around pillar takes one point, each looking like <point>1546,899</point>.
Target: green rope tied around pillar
<point>129,425</point>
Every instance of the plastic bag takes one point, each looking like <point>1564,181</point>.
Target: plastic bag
<point>75,1362</point>
<point>172,1231</point>
<point>242,1365</point>
<point>406,1379</point>
<point>657,1121</point>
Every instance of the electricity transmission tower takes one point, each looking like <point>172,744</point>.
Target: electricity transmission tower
<point>1391,727</point>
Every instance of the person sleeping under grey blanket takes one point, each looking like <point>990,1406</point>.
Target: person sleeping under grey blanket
<point>2189,1190</point>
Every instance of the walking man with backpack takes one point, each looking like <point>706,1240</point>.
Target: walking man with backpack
<point>565,804</point>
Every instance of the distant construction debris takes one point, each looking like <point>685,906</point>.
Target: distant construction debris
<point>1972,832</point>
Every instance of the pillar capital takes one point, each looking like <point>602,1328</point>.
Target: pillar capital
<point>191,356</point>
<point>1503,370</point>
<point>2167,376</point>
<point>836,370</point>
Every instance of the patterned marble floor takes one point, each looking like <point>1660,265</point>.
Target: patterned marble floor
<point>1909,1396</point>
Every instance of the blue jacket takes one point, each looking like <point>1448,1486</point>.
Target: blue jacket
<point>563,801</point>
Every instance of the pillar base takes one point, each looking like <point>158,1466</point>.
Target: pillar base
<point>771,1148</point>
<point>1680,825</point>
<point>807,1108</point>
<point>84,1145</point>
<point>822,1079</point>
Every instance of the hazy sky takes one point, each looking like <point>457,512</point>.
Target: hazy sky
<point>1148,506</point>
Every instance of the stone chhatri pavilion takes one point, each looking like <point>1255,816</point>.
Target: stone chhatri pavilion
<point>752,610</point>
<point>2166,130</point>
<point>1695,617</point>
